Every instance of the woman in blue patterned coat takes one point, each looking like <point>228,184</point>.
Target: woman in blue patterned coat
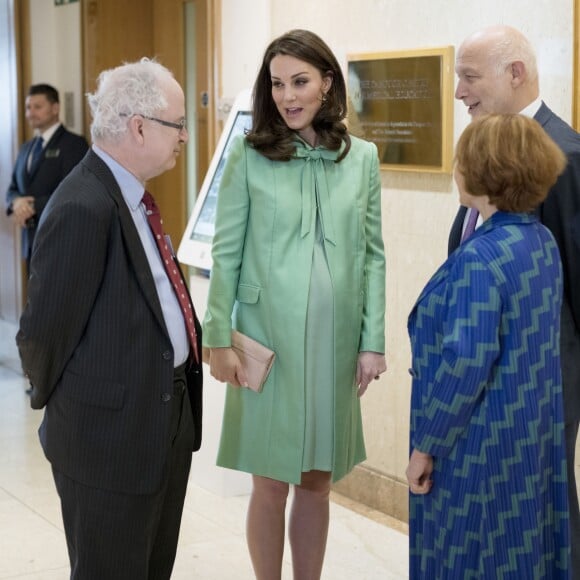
<point>487,471</point>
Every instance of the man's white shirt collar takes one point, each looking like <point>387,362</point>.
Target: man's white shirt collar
<point>532,109</point>
<point>47,135</point>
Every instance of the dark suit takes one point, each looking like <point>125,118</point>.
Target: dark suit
<point>456,230</point>
<point>561,214</point>
<point>95,346</point>
<point>59,156</point>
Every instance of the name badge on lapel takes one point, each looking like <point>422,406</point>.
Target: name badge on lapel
<point>51,153</point>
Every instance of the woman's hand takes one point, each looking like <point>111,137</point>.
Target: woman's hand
<point>419,472</point>
<point>225,366</point>
<point>368,367</point>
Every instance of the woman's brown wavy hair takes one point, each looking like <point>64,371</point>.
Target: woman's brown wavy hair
<point>269,134</point>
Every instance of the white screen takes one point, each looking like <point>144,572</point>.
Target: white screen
<point>195,246</point>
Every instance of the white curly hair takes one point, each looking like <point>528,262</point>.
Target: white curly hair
<point>129,89</point>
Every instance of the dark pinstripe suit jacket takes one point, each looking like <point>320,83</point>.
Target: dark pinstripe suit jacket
<point>561,214</point>
<point>94,343</point>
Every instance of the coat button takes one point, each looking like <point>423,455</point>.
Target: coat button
<point>165,397</point>
<point>167,355</point>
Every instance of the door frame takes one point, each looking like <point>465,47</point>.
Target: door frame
<point>576,71</point>
<point>169,45</point>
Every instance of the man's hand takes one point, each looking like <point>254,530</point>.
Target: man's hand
<point>23,210</point>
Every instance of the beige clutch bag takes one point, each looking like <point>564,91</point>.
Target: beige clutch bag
<point>256,359</point>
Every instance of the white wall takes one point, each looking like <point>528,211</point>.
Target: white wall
<point>417,208</point>
<point>56,52</point>
<point>245,35</point>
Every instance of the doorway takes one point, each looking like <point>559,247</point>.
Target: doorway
<point>200,50</point>
<point>576,74</point>
<point>186,38</point>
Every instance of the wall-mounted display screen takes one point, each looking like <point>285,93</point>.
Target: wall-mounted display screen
<point>195,246</point>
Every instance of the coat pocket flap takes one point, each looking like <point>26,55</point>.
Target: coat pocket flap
<point>248,294</point>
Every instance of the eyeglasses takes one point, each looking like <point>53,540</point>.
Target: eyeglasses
<point>181,126</point>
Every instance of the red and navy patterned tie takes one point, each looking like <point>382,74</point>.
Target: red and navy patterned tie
<point>173,273</point>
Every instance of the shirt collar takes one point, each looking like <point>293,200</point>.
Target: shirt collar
<point>131,188</point>
<point>532,108</point>
<point>47,135</point>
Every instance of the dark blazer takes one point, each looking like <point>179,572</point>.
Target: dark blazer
<point>59,156</point>
<point>561,214</point>
<point>93,340</point>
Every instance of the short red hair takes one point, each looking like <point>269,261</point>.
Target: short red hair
<point>509,158</point>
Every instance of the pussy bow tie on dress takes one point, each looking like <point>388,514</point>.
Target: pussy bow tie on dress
<point>314,180</point>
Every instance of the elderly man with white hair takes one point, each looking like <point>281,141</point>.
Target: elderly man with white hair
<point>110,341</point>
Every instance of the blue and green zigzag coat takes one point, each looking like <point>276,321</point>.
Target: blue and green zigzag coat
<point>487,404</point>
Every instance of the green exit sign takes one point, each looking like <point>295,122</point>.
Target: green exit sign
<point>63,2</point>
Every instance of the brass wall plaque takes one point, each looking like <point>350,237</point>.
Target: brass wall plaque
<point>403,102</point>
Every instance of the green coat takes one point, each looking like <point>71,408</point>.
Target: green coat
<point>262,255</point>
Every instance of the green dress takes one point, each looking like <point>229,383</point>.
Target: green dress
<point>319,363</point>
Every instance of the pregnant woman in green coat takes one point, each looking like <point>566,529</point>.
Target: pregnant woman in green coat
<point>298,265</point>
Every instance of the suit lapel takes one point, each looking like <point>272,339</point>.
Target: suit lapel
<point>55,137</point>
<point>50,145</point>
<point>435,280</point>
<point>543,115</point>
<point>27,175</point>
<point>133,243</point>
<point>140,262</point>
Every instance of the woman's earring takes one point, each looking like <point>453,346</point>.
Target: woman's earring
<point>324,98</point>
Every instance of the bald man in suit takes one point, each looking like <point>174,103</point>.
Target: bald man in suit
<point>497,73</point>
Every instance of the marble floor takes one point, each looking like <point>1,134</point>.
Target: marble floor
<point>362,544</point>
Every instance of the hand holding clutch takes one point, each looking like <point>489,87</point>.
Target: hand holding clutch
<point>255,358</point>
